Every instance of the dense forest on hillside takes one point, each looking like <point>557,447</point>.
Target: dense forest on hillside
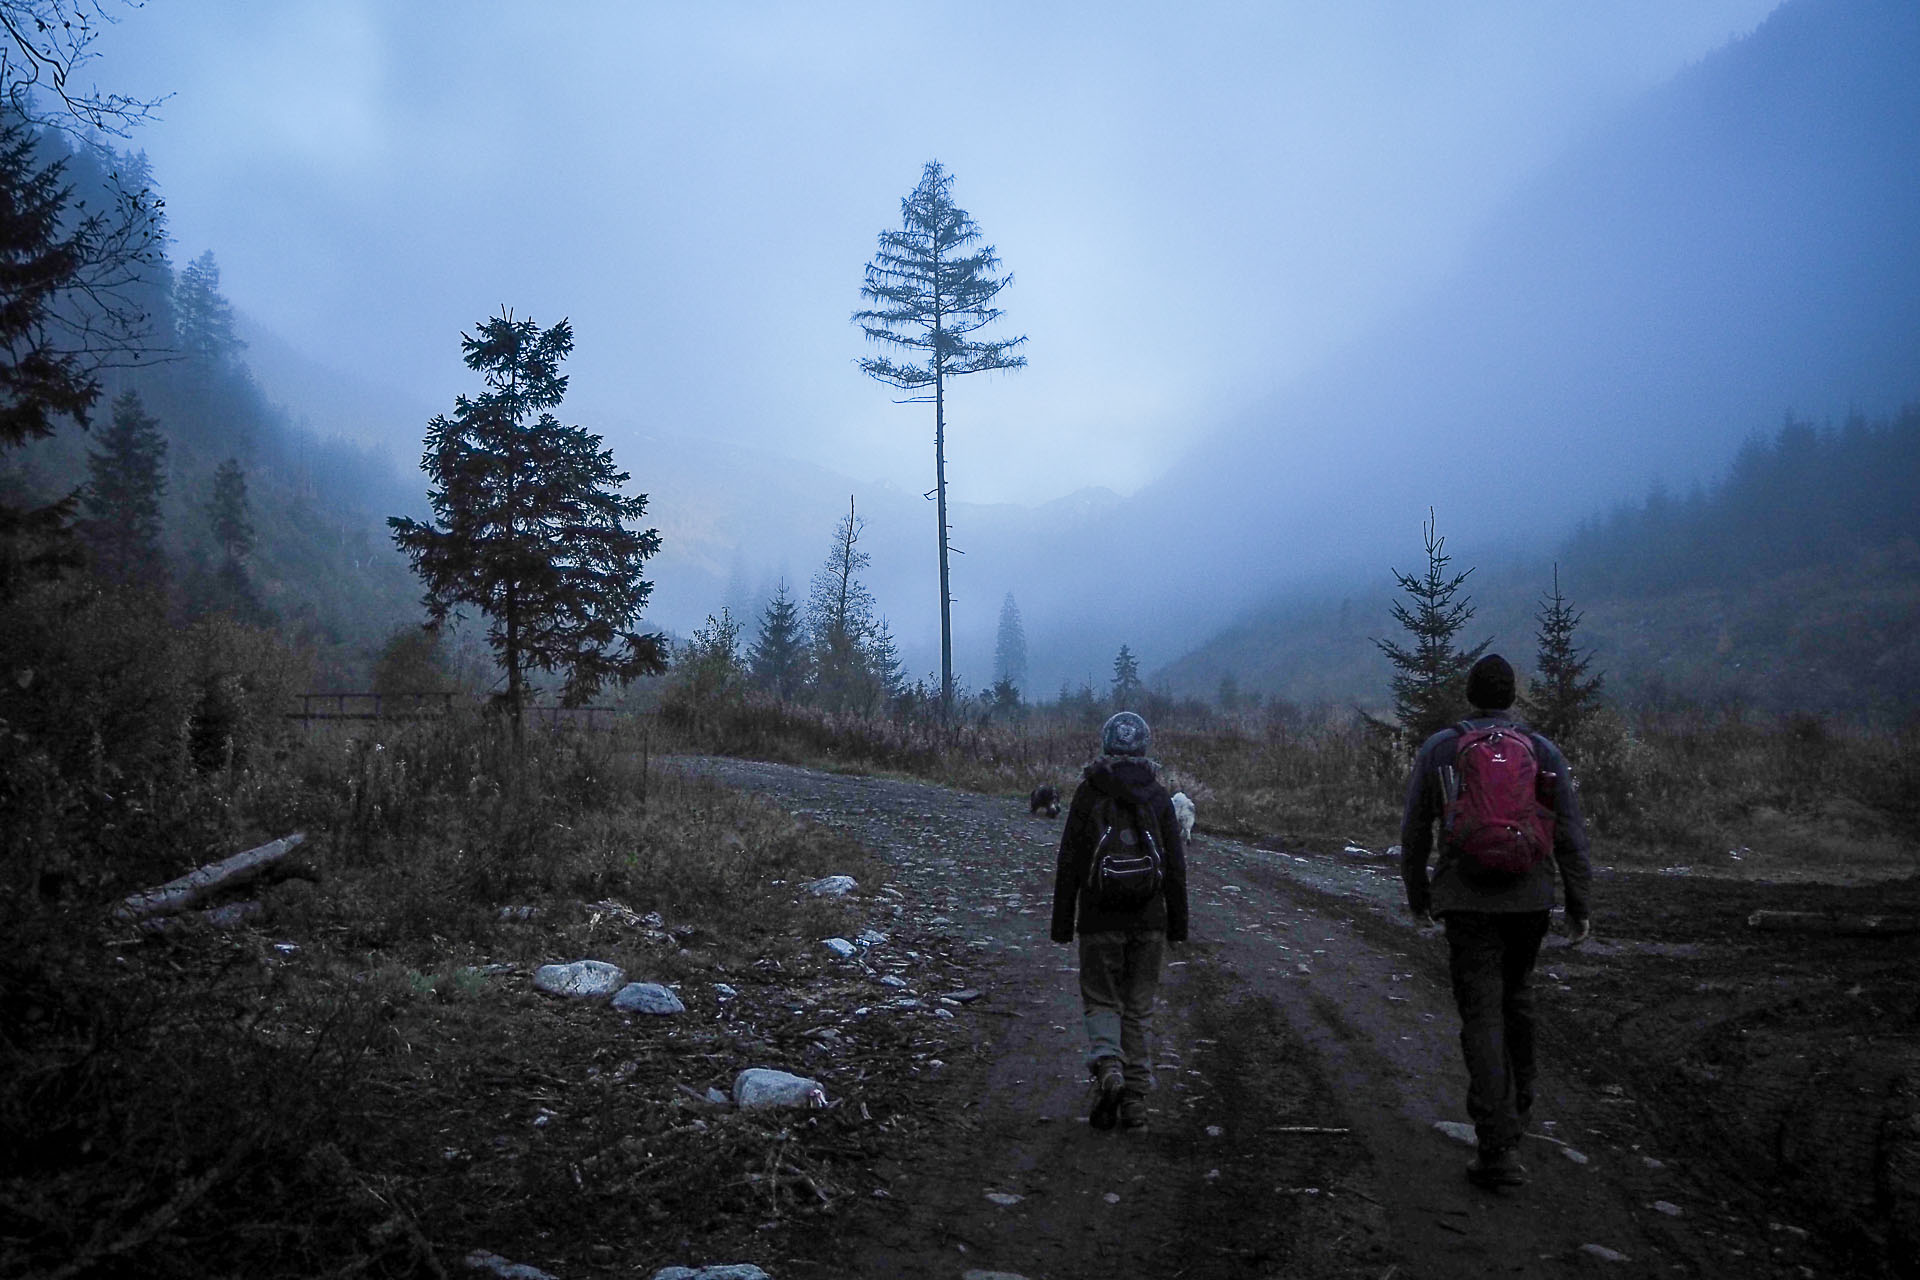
<point>1792,584</point>
<point>1844,500</point>
<point>318,565</point>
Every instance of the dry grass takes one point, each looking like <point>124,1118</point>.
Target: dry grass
<point>1795,797</point>
<point>219,1104</point>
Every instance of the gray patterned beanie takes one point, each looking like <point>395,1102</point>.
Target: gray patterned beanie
<point>1125,734</point>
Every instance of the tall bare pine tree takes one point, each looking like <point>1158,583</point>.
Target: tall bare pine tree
<point>932,285</point>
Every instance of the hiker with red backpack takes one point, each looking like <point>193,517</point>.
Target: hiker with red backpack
<point>1509,814</point>
<point>1121,882</point>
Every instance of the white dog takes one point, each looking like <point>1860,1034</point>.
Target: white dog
<point>1183,810</point>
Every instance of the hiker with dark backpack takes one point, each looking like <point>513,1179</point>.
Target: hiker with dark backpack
<point>1509,814</point>
<point>1121,883</point>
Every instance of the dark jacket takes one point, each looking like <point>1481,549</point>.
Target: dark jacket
<point>1133,780</point>
<point>1450,890</point>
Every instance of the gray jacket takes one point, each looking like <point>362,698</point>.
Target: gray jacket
<point>1449,889</point>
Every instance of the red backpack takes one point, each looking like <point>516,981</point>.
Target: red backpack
<point>1495,818</point>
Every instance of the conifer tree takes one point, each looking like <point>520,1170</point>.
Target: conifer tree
<point>229,513</point>
<point>530,526</point>
<point>933,286</point>
<point>840,618</point>
<point>44,377</point>
<point>886,677</point>
<point>203,318</point>
<point>778,661</point>
<point>230,520</point>
<point>1229,694</point>
<point>1126,685</point>
<point>1010,647</point>
<point>1560,699</point>
<point>126,480</point>
<point>1430,675</point>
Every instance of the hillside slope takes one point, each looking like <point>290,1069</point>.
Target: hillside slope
<point>1794,584</point>
<point>1737,246</point>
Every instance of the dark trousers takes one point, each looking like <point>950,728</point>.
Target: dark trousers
<point>1492,955</point>
<point>1119,978</point>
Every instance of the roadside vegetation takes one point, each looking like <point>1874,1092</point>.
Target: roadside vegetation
<point>1668,787</point>
<point>292,1098</point>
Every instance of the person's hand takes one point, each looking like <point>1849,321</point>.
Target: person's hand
<point>1579,929</point>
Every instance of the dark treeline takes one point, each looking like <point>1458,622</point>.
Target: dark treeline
<point>317,565</point>
<point>1806,498</point>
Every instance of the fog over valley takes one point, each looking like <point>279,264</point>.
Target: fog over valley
<point>1287,277</point>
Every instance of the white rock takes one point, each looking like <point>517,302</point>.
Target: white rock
<point>1004,1198</point>
<point>722,1271</point>
<point>763,1087</point>
<point>1605,1254</point>
<point>943,1013</point>
<point>833,887</point>
<point>1578,1157</point>
<point>519,913</point>
<point>718,1098</point>
<point>647,997</point>
<point>967,996</point>
<point>1112,1197</point>
<point>724,991</point>
<point>891,980</point>
<point>871,938</point>
<point>1667,1207</point>
<point>587,979</point>
<point>495,1265</point>
<point>1458,1131</point>
<point>840,947</point>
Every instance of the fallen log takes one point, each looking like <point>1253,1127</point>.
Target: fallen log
<point>1835,925</point>
<point>215,878</point>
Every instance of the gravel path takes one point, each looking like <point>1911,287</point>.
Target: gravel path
<point>1305,1051</point>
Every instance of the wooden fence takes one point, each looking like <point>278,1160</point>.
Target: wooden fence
<point>425,706</point>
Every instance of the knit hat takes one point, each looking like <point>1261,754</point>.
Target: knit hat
<point>1124,734</point>
<point>1490,683</point>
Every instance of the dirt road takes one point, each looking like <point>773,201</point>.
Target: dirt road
<point>1305,1051</point>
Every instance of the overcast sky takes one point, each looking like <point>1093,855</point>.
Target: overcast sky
<point>1197,201</point>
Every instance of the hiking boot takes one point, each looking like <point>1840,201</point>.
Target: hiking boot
<point>1498,1168</point>
<point>1108,1084</point>
<point>1133,1112</point>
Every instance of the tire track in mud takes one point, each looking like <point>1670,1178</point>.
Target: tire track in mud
<point>1304,1048</point>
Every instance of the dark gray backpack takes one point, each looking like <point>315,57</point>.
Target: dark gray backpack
<point>1127,867</point>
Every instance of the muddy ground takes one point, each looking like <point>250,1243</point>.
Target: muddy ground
<point>1714,1100</point>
